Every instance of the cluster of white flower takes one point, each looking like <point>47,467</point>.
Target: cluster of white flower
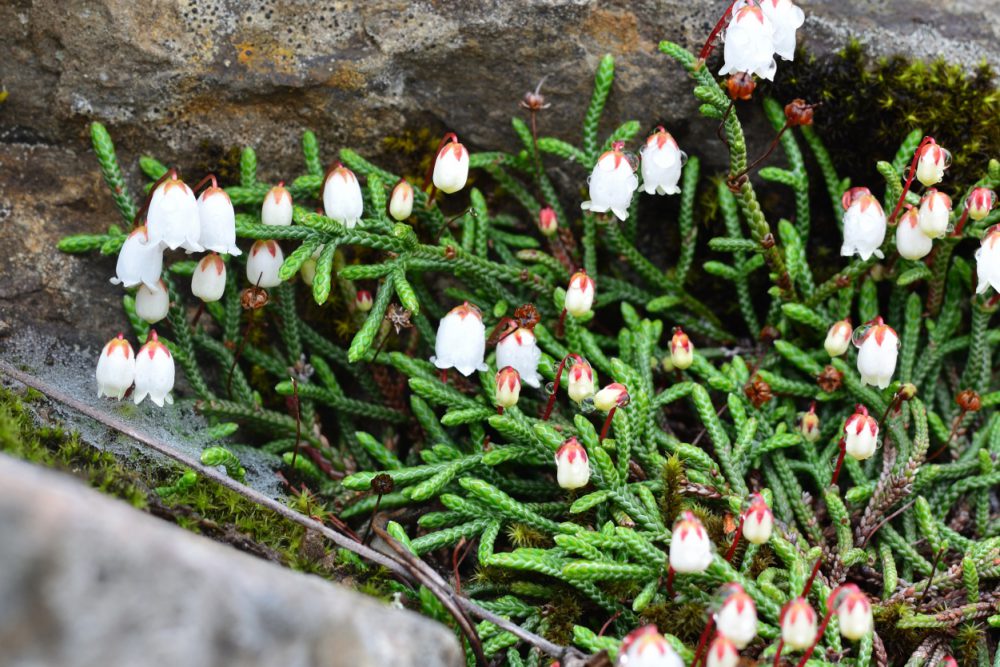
<point>878,349</point>
<point>151,371</point>
<point>758,32</point>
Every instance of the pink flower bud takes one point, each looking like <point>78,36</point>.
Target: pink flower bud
<point>690,548</point>
<point>342,199</point>
<point>661,164</point>
<point>722,653</point>
<point>646,647</point>
<point>931,163</point>
<point>758,521</point>
<point>798,624</point>
<point>988,261</point>
<point>451,167</point>
<point>681,350</point>
<point>115,368</point>
<point>911,241</point>
<point>878,348</point>
<point>572,467</point>
<point>461,341</point>
<point>737,617</point>
<point>580,294</point>
<point>208,282</point>
<point>581,381</point>
<point>935,208</point>
<point>363,300</point>
<point>612,396</point>
<point>401,201</point>
<point>809,425</point>
<point>548,224</point>
<point>980,202</point>
<point>838,338</point>
<point>218,222</point>
<point>612,183</point>
<point>520,350</point>
<point>864,224</point>
<point>860,434</point>
<point>264,262</point>
<point>139,260</point>
<point>172,217</point>
<point>508,388</point>
<point>154,372</point>
<point>277,207</point>
<point>854,611</point>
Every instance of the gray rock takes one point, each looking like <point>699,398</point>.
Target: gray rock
<point>87,581</point>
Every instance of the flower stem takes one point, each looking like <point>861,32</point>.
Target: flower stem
<point>812,577</point>
<point>909,178</point>
<point>819,636</point>
<point>840,462</point>
<point>555,387</point>
<point>706,50</point>
<point>777,653</point>
<point>736,541</point>
<point>670,581</point>
<point>607,425</point>
<point>703,641</point>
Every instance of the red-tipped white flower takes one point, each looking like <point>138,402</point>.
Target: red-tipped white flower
<point>722,653</point>
<point>980,202</point>
<point>661,164</point>
<point>520,350</point>
<point>612,183</point>
<point>581,381</point>
<point>451,167</point>
<point>139,260</point>
<point>809,425</point>
<point>508,389</point>
<point>548,223</point>
<point>988,261</point>
<point>218,221</point>
<point>878,348</point>
<point>737,617</point>
<point>615,395</point>
<point>860,434</point>
<point>758,521</point>
<point>461,341</point>
<point>838,338</point>
<point>798,624</point>
<point>208,282</point>
<point>786,18</point>
<point>172,217</point>
<point>931,163</point>
<point>580,294</point>
<point>864,224</point>
<point>277,207</point>
<point>572,466</point>
<point>948,661</point>
<point>264,262</point>
<point>935,207</point>
<point>152,305</point>
<point>749,43</point>
<point>401,201</point>
<point>690,548</point>
<point>911,241</point>
<point>154,372</point>
<point>681,350</point>
<point>115,368</point>
<point>854,611</point>
<point>363,300</point>
<point>646,647</point>
<point>342,199</point>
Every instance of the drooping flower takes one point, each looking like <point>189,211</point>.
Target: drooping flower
<point>264,262</point>
<point>208,282</point>
<point>809,425</point>
<point>548,223</point>
<point>139,261</point>
<point>581,381</point>
<point>860,434</point>
<point>508,387</point>
<point>722,653</point>
<point>737,617</point>
<point>154,372</point>
<point>798,624</point>
<point>401,201</point>
<point>646,647</point>
<point>878,348</point>
<point>152,305</point>
<point>988,261</point>
<point>864,224</point>
<point>342,198</point>
<point>661,164</point>
<point>750,43</point>
<point>461,341</point>
<point>980,202</point>
<point>218,222</point>
<point>615,395</point>
<point>172,217</point>
<point>854,611</point>
<point>451,167</point>
<point>690,547</point>
<point>277,207</point>
<point>786,18</point>
<point>580,294</point>
<point>520,350</point>
<point>612,183</point>
<point>572,466</point>
<point>115,368</point>
<point>931,163</point>
<point>758,521</point>
<point>838,338</point>
<point>935,207</point>
<point>363,300</point>
<point>911,241</point>
<point>681,350</point>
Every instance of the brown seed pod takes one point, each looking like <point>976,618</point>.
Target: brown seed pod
<point>829,379</point>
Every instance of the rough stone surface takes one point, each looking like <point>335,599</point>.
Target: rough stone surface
<point>89,582</point>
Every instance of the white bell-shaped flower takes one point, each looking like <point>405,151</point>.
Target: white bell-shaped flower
<point>911,241</point>
<point>737,617</point>
<point>615,395</point>
<point>342,198</point>
<point>612,183</point>
<point>508,387</point>
<point>786,17</point>
<point>988,261</point>
<point>750,44</point>
<point>931,163</point>
<point>152,305</point>
<point>218,222</point>
<point>139,260</point>
<point>722,653</point>
<point>572,466</point>
<point>520,350</point>
<point>115,368</point>
<point>758,521</point>
<point>580,385</point>
<point>854,612</point>
<point>878,348</point>
<point>980,203</point>
<point>860,434</point>
<point>580,294</point>
<point>172,217</point>
<point>154,372</point>
<point>690,547</point>
<point>864,224</point>
<point>401,201</point>
<point>264,262</point>
<point>661,164</point>
<point>461,341</point>
<point>935,207</point>
<point>681,350</point>
<point>838,338</point>
<point>277,206</point>
<point>208,282</point>
<point>646,647</point>
<point>798,624</point>
<point>451,166</point>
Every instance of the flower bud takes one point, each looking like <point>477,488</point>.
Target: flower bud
<point>860,434</point>
<point>612,183</point>
<point>548,224</point>
<point>935,207</point>
<point>931,163</point>
<point>263,264</point>
<point>342,199</point>
<point>115,368</point>
<point>980,203</point>
<point>838,338</point>
<point>646,647</point>
<point>581,381</point>
<point>451,166</point>
<point>749,44</point>
<point>572,466</point>
<point>154,372</point>
<point>758,521</point>
<point>461,341</point>
<point>737,616</point>
<point>277,207</point>
<point>690,548</point>
<point>722,653</point>
<point>508,388</point>
<point>172,216</point>
<point>208,282</point>
<point>878,348</point>
<point>139,260</point>
<point>740,86</point>
<point>911,241</point>
<point>798,624</point>
<point>152,305</point>
<point>864,224</point>
<point>363,300</point>
<point>681,350</point>
<point>948,661</point>
<point>809,425</point>
<point>661,164</point>
<point>401,201</point>
<point>308,268</point>
<point>854,611</point>
<point>520,350</point>
<point>580,294</point>
<point>218,222</point>
<point>615,395</point>
<point>988,260</point>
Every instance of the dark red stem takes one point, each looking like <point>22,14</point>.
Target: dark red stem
<point>777,653</point>
<point>202,182</point>
<point>670,581</point>
<point>555,387</point>
<point>812,578</point>
<point>443,374</point>
<point>961,221</point>
<point>703,640</point>
<point>607,425</point>
<point>197,314</point>
<point>909,178</point>
<point>819,636</point>
<point>736,542</point>
<point>562,323</point>
<point>706,50</point>
<point>840,462</point>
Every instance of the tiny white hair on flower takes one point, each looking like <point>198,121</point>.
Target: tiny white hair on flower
<point>864,224</point>
<point>342,198</point>
<point>461,341</point>
<point>172,217</point>
<point>612,183</point>
<point>661,163</point>
<point>154,372</point>
<point>749,43</point>
<point>218,221</point>
<point>139,260</point>
<point>115,368</point>
<point>988,261</point>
